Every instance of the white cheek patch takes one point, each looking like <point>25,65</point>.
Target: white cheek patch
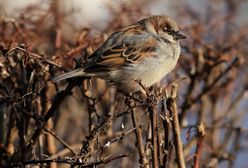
<point>166,36</point>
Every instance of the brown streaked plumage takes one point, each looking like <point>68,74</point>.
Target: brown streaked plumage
<point>145,51</point>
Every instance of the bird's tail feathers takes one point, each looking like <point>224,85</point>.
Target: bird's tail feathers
<point>71,74</point>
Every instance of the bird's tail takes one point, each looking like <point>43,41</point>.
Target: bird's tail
<point>71,74</point>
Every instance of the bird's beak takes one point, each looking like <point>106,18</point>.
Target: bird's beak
<point>178,36</point>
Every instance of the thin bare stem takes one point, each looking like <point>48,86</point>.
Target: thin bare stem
<point>37,56</point>
<point>198,152</point>
<point>172,107</point>
<point>138,134</point>
<point>60,140</point>
<point>152,109</point>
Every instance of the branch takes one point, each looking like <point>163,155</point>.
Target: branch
<point>37,56</point>
<point>172,107</point>
<point>138,134</point>
<point>84,152</point>
<point>69,161</point>
<point>59,98</point>
<point>59,139</point>
<point>198,152</point>
<point>152,109</point>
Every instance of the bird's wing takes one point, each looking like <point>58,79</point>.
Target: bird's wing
<point>131,48</point>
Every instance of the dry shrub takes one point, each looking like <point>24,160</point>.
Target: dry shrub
<point>87,123</point>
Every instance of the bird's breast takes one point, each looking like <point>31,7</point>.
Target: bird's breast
<point>150,70</point>
<point>154,69</point>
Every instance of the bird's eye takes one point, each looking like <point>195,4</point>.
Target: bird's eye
<point>169,31</point>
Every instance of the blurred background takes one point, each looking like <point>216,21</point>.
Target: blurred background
<point>41,39</point>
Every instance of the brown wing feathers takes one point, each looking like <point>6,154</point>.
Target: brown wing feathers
<point>125,51</point>
<point>117,55</point>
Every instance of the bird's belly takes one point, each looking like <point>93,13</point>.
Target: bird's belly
<point>153,70</point>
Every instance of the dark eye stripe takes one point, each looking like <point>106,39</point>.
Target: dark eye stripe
<point>165,40</point>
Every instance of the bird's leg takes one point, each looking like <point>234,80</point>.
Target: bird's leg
<point>144,90</point>
<point>151,96</point>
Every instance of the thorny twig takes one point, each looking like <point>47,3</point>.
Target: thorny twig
<point>70,161</point>
<point>115,140</point>
<point>84,152</point>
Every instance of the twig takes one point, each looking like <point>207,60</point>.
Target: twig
<point>198,152</point>
<point>152,109</point>
<point>166,126</point>
<point>211,85</point>
<point>69,161</point>
<point>37,56</point>
<point>84,152</point>
<point>205,90</point>
<point>59,98</point>
<point>172,107</point>
<point>50,141</point>
<point>138,134</point>
<point>65,151</point>
<point>116,139</point>
<point>60,140</point>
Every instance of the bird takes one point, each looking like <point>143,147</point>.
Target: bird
<point>145,52</point>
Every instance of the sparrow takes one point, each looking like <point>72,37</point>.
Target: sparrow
<point>145,51</point>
